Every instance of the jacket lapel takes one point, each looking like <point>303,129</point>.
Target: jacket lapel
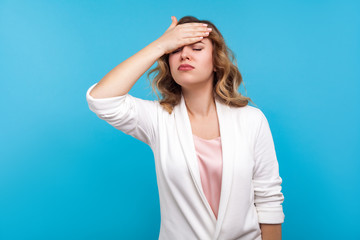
<point>226,123</point>
<point>184,131</point>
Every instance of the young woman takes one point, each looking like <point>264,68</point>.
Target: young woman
<point>216,167</point>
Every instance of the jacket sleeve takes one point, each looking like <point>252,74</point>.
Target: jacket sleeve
<point>266,179</point>
<point>133,116</point>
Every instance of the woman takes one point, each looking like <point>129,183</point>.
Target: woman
<point>216,167</point>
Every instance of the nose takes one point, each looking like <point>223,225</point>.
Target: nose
<point>185,52</point>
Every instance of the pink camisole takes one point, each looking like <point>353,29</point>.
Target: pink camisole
<point>209,155</point>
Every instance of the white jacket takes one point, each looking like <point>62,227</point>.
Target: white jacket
<point>251,185</point>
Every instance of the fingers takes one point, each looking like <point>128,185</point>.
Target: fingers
<point>197,32</point>
<point>178,35</point>
<point>194,24</point>
<point>195,36</point>
<point>194,28</point>
<point>174,21</point>
<point>189,41</point>
<point>201,28</point>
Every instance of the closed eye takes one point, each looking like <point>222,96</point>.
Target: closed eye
<point>195,49</point>
<point>176,51</point>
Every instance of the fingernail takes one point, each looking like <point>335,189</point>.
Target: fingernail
<point>204,24</point>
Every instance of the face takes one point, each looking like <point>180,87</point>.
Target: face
<point>199,56</point>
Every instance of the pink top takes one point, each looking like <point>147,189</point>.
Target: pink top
<point>209,154</point>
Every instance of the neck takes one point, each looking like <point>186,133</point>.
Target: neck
<point>200,101</point>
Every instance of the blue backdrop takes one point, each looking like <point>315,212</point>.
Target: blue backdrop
<point>66,174</point>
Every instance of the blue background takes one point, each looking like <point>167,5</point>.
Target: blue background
<point>66,174</point>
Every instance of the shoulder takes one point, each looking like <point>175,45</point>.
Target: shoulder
<point>248,113</point>
<point>248,118</point>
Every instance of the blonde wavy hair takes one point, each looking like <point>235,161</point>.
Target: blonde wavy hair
<point>227,77</point>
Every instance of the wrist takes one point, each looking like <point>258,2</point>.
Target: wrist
<point>158,47</point>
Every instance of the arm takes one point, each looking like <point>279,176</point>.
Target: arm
<point>120,80</point>
<point>267,183</point>
<point>270,231</point>
<point>133,116</point>
<point>109,98</point>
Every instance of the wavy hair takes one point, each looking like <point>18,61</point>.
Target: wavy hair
<point>227,77</point>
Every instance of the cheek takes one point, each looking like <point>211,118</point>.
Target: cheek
<point>171,62</point>
<point>172,67</point>
<point>207,61</point>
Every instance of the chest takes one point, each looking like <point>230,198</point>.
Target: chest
<point>206,128</point>
<point>179,170</point>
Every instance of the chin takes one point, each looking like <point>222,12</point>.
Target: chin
<point>182,79</point>
<point>187,81</point>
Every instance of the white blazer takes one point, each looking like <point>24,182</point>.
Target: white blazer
<point>251,185</point>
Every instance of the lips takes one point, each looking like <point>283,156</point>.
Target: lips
<point>185,67</point>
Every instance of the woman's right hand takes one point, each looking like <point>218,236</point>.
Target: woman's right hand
<point>177,36</point>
